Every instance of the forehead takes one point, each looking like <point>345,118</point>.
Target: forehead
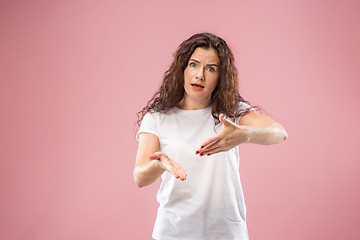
<point>208,55</point>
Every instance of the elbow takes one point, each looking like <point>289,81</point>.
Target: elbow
<point>137,179</point>
<point>139,184</point>
<point>285,135</point>
<point>280,135</point>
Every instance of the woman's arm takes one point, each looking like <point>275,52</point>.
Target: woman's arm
<point>262,129</point>
<point>252,128</point>
<point>151,163</point>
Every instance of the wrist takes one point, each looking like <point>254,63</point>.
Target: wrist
<point>244,134</point>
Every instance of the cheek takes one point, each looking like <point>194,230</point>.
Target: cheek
<point>188,74</point>
<point>214,81</point>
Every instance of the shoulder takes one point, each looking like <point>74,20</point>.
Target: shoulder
<point>151,114</point>
<point>158,116</point>
<point>243,106</point>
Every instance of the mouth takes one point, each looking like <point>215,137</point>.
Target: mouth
<point>197,85</point>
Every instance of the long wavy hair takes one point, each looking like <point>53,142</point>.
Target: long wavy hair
<point>224,99</point>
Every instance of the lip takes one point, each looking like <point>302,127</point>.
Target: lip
<point>197,85</point>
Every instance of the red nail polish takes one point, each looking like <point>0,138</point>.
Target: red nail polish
<point>197,152</point>
<point>201,154</point>
<point>202,146</point>
<point>209,154</point>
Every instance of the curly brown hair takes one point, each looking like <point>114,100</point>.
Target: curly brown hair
<point>172,88</point>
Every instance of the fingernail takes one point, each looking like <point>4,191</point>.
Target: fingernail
<point>197,152</point>
<point>201,154</point>
<point>202,146</point>
<point>209,154</point>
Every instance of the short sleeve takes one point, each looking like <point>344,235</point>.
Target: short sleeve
<point>243,106</point>
<point>149,125</point>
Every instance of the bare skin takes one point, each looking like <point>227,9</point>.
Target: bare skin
<point>151,163</point>
<point>253,127</point>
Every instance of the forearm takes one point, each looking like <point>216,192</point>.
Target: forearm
<point>272,134</point>
<point>147,174</point>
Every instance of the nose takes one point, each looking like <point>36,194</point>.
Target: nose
<point>200,74</point>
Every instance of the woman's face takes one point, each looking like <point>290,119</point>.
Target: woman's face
<point>201,74</point>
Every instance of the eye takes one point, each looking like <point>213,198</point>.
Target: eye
<point>192,64</point>
<point>211,69</point>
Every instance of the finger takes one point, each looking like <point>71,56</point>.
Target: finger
<point>224,120</point>
<point>182,173</point>
<point>174,169</point>
<point>165,162</point>
<point>222,147</point>
<point>153,157</point>
<point>156,155</point>
<point>169,165</point>
<point>204,148</point>
<point>216,151</point>
<point>209,148</point>
<point>179,172</point>
<point>210,141</point>
<point>221,118</point>
<point>213,149</point>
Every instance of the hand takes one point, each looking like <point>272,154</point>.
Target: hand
<point>169,165</point>
<point>231,136</point>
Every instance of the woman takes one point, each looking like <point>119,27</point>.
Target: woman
<point>185,138</point>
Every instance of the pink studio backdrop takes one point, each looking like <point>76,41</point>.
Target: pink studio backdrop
<point>74,73</point>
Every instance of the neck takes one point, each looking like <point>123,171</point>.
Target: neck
<point>188,104</point>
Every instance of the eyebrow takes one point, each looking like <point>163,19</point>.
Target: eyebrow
<point>213,64</point>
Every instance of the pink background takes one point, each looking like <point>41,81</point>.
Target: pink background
<point>74,73</point>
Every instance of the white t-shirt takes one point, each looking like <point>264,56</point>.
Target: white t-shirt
<point>209,204</point>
